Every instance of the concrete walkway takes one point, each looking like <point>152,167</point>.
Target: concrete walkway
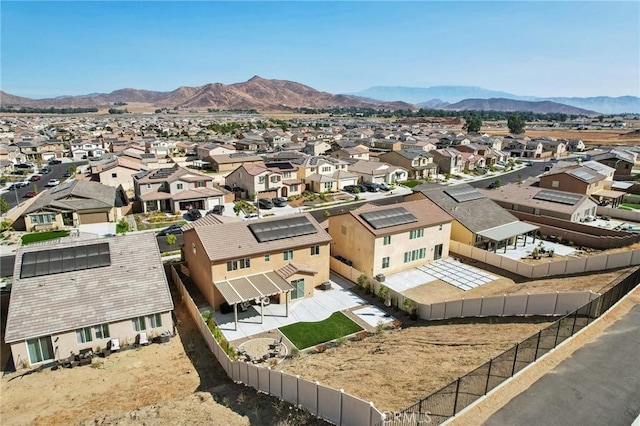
<point>598,385</point>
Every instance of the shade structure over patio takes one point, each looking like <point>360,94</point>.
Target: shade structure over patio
<point>253,288</point>
<point>504,233</point>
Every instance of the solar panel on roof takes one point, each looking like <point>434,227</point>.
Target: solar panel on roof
<point>463,193</point>
<point>558,197</point>
<point>68,259</point>
<point>388,217</point>
<point>281,229</point>
<point>581,174</point>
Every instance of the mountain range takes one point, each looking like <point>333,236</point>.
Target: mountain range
<point>442,96</point>
<point>268,95</point>
<point>256,93</point>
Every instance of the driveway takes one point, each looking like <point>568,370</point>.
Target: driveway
<point>598,385</point>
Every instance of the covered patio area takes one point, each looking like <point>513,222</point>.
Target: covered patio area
<point>502,236</point>
<point>256,288</point>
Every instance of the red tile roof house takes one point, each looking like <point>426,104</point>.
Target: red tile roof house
<point>77,294</point>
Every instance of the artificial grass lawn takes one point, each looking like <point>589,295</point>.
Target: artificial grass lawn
<point>631,205</point>
<point>306,334</point>
<point>43,236</point>
<point>411,183</point>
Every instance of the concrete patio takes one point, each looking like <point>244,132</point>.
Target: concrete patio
<point>525,250</point>
<point>312,309</point>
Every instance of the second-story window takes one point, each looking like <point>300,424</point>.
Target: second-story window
<point>386,240</point>
<point>288,255</point>
<point>261,179</point>
<point>179,186</point>
<point>275,178</point>
<point>315,250</point>
<point>416,233</point>
<point>326,169</point>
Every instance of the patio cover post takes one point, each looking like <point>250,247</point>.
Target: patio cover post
<point>525,240</point>
<point>235,316</point>
<point>286,303</point>
<point>261,310</point>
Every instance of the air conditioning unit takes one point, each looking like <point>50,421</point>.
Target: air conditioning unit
<point>380,278</point>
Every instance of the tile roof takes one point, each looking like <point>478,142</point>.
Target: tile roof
<point>476,215</point>
<point>235,240</point>
<point>76,195</point>
<point>426,212</point>
<point>523,195</point>
<point>133,285</point>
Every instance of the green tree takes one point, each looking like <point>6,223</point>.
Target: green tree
<point>171,239</point>
<point>237,208</point>
<point>73,169</point>
<point>472,124</point>
<point>4,205</point>
<point>515,123</point>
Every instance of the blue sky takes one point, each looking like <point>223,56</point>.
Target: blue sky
<point>528,48</point>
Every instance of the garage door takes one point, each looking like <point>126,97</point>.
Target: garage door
<point>93,218</point>
<point>346,182</point>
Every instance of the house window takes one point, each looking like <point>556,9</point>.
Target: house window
<point>286,175</point>
<point>234,265</point>
<point>440,228</point>
<point>201,184</point>
<point>326,169</point>
<point>416,233</point>
<point>83,335</point>
<point>288,254</point>
<point>266,257</point>
<point>114,175</point>
<point>155,320</point>
<point>275,179</point>
<point>315,250</point>
<point>193,248</point>
<point>42,219</point>
<point>386,240</point>
<point>261,179</point>
<point>148,186</point>
<point>555,183</point>
<point>179,185</point>
<point>413,255</point>
<point>294,188</point>
<point>101,331</point>
<point>40,349</point>
<point>139,324</point>
<point>385,262</point>
<point>328,185</point>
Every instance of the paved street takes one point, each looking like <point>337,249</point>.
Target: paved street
<point>598,385</point>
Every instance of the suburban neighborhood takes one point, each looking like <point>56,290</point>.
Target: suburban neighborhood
<point>289,243</point>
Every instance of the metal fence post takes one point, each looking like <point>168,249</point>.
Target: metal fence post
<point>455,401</point>
<point>575,318</point>
<point>486,387</point>
<point>515,357</point>
<point>555,343</point>
<point>535,357</point>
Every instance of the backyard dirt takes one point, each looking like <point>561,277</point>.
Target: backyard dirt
<point>175,383</point>
<point>609,137</point>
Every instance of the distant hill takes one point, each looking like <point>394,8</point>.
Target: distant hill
<point>423,97</point>
<point>257,93</point>
<point>502,104</point>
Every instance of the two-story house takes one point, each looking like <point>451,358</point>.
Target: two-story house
<point>582,180</point>
<point>378,172</point>
<point>82,149</point>
<point>356,152</point>
<point>419,164</point>
<point>266,180</point>
<point>229,162</point>
<point>320,174</point>
<point>391,239</point>
<point>115,171</point>
<point>209,149</point>
<point>280,258</point>
<point>176,189</point>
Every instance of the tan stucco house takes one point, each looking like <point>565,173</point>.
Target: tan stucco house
<point>393,238</point>
<point>77,294</point>
<point>281,258</point>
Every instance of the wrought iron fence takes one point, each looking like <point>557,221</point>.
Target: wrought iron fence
<point>459,394</point>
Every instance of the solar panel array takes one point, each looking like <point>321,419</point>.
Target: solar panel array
<point>463,193</point>
<point>581,174</point>
<point>281,229</point>
<point>558,197</point>
<point>162,173</point>
<point>389,217</point>
<point>68,259</point>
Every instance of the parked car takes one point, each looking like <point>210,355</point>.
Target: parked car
<point>24,166</point>
<point>384,187</point>
<point>194,214</point>
<point>371,187</point>
<point>251,216</point>
<point>66,174</point>
<point>45,170</point>
<point>279,201</point>
<point>29,194</point>
<point>53,182</point>
<point>265,203</point>
<point>23,184</point>
<point>171,230</point>
<point>53,162</point>
<point>351,189</point>
<point>35,178</point>
<point>219,209</point>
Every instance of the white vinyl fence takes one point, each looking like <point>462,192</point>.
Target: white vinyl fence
<point>327,403</point>
<point>507,305</point>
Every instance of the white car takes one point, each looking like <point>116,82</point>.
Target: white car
<point>53,182</point>
<point>252,216</point>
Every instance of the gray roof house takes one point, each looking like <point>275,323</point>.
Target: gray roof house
<point>74,294</point>
<point>74,203</point>
<point>478,219</point>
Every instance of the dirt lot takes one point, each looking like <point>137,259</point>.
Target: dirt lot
<point>176,383</point>
<point>610,137</point>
